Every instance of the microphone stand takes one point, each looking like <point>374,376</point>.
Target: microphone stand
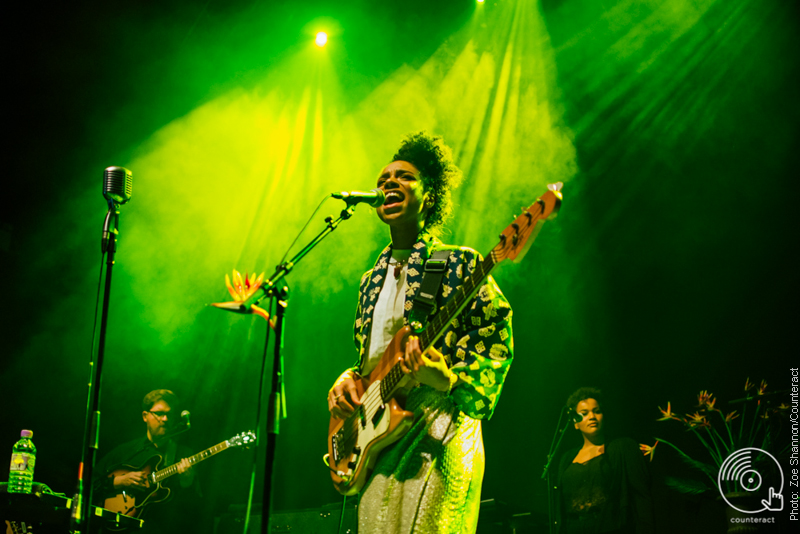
<point>276,409</point>
<point>268,286</point>
<point>81,519</point>
<point>277,397</point>
<point>546,474</point>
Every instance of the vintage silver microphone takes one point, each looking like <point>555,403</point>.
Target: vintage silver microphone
<point>117,184</point>
<point>117,190</point>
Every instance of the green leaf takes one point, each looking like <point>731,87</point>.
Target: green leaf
<point>692,487</point>
<point>710,470</point>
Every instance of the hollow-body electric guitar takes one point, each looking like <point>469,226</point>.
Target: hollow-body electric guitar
<point>355,443</point>
<point>131,502</point>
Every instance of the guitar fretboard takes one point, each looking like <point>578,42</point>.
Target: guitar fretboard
<point>441,320</point>
<point>167,472</point>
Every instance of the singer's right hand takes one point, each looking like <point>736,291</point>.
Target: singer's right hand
<point>135,479</point>
<point>343,397</point>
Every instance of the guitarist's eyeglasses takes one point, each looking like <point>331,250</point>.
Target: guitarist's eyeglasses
<point>159,414</point>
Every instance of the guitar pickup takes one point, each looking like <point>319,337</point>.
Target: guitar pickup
<point>362,419</point>
<point>378,414</point>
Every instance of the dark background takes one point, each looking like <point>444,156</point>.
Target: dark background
<point>673,263</point>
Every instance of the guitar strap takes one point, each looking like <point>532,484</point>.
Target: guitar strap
<point>425,301</point>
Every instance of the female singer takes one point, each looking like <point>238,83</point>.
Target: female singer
<point>604,485</point>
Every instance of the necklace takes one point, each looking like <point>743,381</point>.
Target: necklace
<point>398,267</point>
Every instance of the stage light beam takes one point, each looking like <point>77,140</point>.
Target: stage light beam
<point>321,39</point>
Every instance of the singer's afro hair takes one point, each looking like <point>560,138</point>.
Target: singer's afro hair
<point>582,394</point>
<point>156,395</point>
<point>439,173</point>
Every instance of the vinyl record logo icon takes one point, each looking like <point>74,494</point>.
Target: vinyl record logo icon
<point>738,469</point>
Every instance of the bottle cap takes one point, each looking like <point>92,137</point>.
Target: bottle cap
<point>26,434</point>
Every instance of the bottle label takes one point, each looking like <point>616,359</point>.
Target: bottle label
<point>21,462</point>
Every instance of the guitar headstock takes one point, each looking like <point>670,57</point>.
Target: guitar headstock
<point>517,238</point>
<point>245,439</point>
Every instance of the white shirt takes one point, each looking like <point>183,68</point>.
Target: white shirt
<point>387,318</point>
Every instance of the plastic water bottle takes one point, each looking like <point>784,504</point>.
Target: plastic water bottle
<point>23,460</point>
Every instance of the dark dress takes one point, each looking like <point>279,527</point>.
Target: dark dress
<point>177,514</point>
<point>608,494</point>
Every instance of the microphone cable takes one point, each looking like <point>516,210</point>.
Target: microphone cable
<point>303,229</point>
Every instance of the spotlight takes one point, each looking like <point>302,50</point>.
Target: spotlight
<point>321,39</point>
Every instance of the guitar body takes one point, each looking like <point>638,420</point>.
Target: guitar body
<point>130,502</point>
<point>355,443</point>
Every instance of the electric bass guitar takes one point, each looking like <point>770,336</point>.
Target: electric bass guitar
<point>132,501</point>
<point>355,443</point>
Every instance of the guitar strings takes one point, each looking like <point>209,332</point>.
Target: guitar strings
<point>368,408</point>
<point>374,399</point>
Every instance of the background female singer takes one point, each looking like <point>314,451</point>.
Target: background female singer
<point>604,485</point>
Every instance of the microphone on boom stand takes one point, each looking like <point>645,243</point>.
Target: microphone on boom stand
<point>374,198</point>
<point>182,426</point>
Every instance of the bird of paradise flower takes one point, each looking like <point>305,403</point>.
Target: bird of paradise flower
<point>648,450</point>
<point>703,397</point>
<point>241,289</point>
<point>721,442</point>
<point>667,414</point>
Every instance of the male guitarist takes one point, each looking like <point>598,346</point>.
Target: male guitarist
<point>122,469</point>
<point>430,479</point>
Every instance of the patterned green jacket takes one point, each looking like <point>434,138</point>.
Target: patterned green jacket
<point>478,344</point>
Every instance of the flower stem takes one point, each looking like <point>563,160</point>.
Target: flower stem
<point>730,434</point>
<point>717,458</point>
<point>752,436</point>
<point>741,426</point>
<point>688,459</point>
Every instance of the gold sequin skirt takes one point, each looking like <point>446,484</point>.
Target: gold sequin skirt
<point>428,482</point>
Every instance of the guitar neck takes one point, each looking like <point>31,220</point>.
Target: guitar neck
<point>441,320</point>
<point>168,471</point>
<point>514,242</point>
<point>457,303</point>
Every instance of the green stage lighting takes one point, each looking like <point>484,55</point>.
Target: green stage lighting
<point>322,39</point>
